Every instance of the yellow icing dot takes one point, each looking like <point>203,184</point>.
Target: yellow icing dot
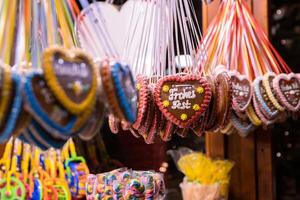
<point>196,107</point>
<point>166,103</point>
<point>77,87</point>
<point>183,117</point>
<point>200,90</point>
<point>138,86</point>
<point>166,88</point>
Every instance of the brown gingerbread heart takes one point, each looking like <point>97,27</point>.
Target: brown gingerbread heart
<point>182,98</point>
<point>71,76</point>
<point>241,91</point>
<point>287,88</point>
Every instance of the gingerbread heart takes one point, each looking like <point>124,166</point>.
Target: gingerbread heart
<point>44,107</point>
<point>244,127</point>
<point>94,124</point>
<point>182,98</point>
<point>143,94</point>
<point>71,76</point>
<point>266,106</point>
<point>268,85</point>
<point>287,88</point>
<point>241,91</point>
<point>13,107</point>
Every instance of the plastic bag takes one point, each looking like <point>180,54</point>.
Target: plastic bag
<point>202,174</point>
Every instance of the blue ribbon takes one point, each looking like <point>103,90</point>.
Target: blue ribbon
<point>16,107</point>
<point>39,112</point>
<point>129,106</point>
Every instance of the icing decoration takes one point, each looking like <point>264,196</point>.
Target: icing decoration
<point>134,132</point>
<point>125,90</point>
<point>143,94</point>
<point>7,128</point>
<point>266,105</point>
<point>259,113</point>
<point>227,129</point>
<point>287,88</point>
<point>125,125</point>
<point>268,85</point>
<point>185,94</point>
<point>244,127</point>
<point>43,138</point>
<point>252,116</point>
<point>114,124</point>
<point>71,75</point>
<point>44,107</point>
<point>241,91</point>
<point>108,88</point>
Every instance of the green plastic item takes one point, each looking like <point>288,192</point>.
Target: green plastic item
<point>17,189</point>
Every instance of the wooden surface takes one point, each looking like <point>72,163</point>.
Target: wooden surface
<point>252,177</point>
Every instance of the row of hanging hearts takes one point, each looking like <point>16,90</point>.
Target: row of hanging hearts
<point>67,99</point>
<point>27,173</point>
<point>224,102</point>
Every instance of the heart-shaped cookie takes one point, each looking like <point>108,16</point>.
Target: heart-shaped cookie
<point>71,76</point>
<point>241,91</point>
<point>94,124</point>
<point>125,90</point>
<point>45,108</point>
<point>265,104</point>
<point>14,107</point>
<point>268,85</point>
<point>244,127</point>
<point>223,98</point>
<point>287,88</point>
<point>182,98</point>
<point>143,94</point>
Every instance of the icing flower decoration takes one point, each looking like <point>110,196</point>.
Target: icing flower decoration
<point>166,103</point>
<point>138,86</point>
<point>200,90</point>
<point>166,88</point>
<point>77,87</point>
<point>183,117</point>
<point>196,107</point>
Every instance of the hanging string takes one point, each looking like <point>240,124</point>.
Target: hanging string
<point>9,32</point>
<point>34,41</point>
<point>27,22</point>
<point>96,28</point>
<point>65,29</point>
<point>3,23</point>
<point>19,43</point>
